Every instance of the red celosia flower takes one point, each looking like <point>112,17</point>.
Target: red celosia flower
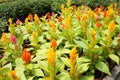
<point>96,9</point>
<point>74,8</point>
<point>18,22</point>
<point>98,13</point>
<point>26,56</point>
<point>98,24</point>
<point>12,39</point>
<point>54,43</point>
<point>101,7</point>
<point>60,18</point>
<point>105,13</point>
<point>30,16</point>
<point>48,16</point>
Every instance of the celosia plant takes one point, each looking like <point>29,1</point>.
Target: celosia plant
<point>70,46</point>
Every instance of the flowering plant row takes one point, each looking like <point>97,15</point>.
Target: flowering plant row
<point>69,46</point>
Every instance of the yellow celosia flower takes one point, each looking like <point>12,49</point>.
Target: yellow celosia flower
<point>62,7</point>
<point>10,20</point>
<point>78,13</point>
<point>91,14</point>
<point>115,6</point>
<point>83,17</point>
<point>83,7</point>
<point>110,6</point>
<point>111,26</point>
<point>68,3</point>
<point>51,57</point>
<point>34,34</point>
<point>67,23</point>
<point>36,18</point>
<point>52,25</point>
<point>4,37</point>
<point>92,32</point>
<point>110,13</point>
<point>73,56</point>
<point>26,21</point>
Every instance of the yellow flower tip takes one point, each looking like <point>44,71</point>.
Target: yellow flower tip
<point>83,17</point>
<point>111,26</point>
<point>67,23</point>
<point>68,3</point>
<point>51,56</point>
<point>10,20</point>
<point>4,37</point>
<point>83,7</point>
<point>34,34</point>
<point>92,32</point>
<point>73,56</point>
<point>26,21</point>
<point>36,18</point>
<point>62,7</point>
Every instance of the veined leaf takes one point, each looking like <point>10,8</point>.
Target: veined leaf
<point>63,76</point>
<point>81,44</point>
<point>114,58</point>
<point>101,66</point>
<point>83,68</point>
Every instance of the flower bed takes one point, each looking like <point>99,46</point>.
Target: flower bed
<point>77,44</point>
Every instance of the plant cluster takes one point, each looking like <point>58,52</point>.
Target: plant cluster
<point>69,46</point>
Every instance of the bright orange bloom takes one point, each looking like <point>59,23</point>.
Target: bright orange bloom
<point>26,56</point>
<point>73,56</point>
<point>30,16</point>
<point>74,8</point>
<point>60,18</point>
<point>51,57</point>
<point>54,43</point>
<point>4,37</point>
<point>36,18</point>
<point>111,26</point>
<point>105,13</point>
<point>98,24</point>
<point>101,7</point>
<point>98,13</point>
<point>96,9</point>
<point>13,75</point>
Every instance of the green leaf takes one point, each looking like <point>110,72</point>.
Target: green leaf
<point>83,68</point>
<point>101,66</point>
<point>114,58</point>
<point>66,61</point>
<point>63,76</point>
<point>39,72</point>
<point>4,71</point>
<point>87,78</point>
<point>81,44</point>
<point>83,60</point>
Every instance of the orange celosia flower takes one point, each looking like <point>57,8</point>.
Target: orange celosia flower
<point>98,13</point>
<point>36,18</point>
<point>96,9</point>
<point>51,57</point>
<point>101,7</point>
<point>4,37</point>
<point>98,24</point>
<point>26,56</point>
<point>60,18</point>
<point>13,75</point>
<point>30,16</point>
<point>73,56</point>
<point>54,43</point>
<point>111,26</point>
<point>105,13</point>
